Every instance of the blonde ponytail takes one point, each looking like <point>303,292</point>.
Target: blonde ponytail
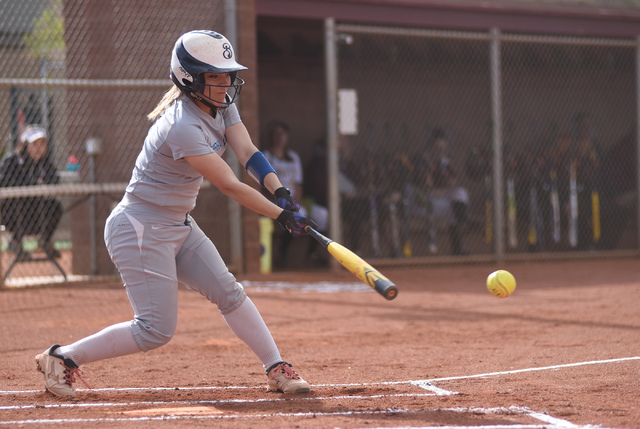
<point>169,97</point>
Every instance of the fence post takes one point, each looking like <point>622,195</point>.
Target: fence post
<point>331,82</point>
<point>235,211</point>
<point>2,253</point>
<point>638,137</point>
<point>93,148</point>
<point>496,116</point>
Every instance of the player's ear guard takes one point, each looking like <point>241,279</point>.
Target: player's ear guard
<point>295,223</point>
<point>258,167</point>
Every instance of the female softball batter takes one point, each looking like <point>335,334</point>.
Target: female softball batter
<point>153,240</point>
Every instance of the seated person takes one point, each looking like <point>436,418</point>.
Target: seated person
<point>29,165</point>
<point>288,167</point>
<point>437,192</point>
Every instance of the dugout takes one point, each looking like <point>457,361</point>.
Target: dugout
<point>419,66</point>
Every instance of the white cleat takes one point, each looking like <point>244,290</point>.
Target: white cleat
<point>59,372</point>
<point>282,378</point>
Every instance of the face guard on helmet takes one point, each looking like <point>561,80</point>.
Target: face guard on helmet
<point>203,51</point>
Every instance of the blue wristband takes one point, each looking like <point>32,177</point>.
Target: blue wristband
<point>258,167</point>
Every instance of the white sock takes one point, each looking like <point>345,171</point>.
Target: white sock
<point>247,324</point>
<point>116,340</point>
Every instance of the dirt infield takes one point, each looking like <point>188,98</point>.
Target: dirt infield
<point>562,352</point>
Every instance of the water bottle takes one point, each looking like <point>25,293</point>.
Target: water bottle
<point>72,164</point>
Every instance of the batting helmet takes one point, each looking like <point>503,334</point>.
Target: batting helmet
<point>199,52</point>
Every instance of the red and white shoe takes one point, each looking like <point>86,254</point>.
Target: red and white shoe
<point>282,378</point>
<point>59,372</point>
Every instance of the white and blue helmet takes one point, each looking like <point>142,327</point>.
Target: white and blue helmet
<point>204,51</point>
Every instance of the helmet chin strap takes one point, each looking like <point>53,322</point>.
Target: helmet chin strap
<point>200,99</point>
<point>209,102</point>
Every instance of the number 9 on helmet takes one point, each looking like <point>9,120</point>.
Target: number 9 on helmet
<point>203,51</point>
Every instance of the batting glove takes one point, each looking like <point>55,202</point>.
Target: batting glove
<point>294,222</point>
<point>285,201</point>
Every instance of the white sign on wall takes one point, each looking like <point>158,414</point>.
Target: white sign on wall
<point>348,111</point>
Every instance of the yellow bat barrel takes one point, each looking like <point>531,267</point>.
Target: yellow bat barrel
<point>363,270</point>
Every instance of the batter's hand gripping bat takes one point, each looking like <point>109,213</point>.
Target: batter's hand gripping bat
<point>357,265</point>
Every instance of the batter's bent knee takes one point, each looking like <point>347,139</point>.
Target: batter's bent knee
<point>148,336</point>
<point>232,300</point>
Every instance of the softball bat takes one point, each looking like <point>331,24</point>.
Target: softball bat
<point>357,265</point>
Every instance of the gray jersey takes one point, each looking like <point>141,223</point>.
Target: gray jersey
<point>161,176</point>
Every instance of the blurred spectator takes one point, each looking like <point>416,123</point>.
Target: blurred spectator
<point>288,166</point>
<point>437,185</point>
<point>29,165</point>
<point>399,173</point>
<point>354,202</point>
<point>354,184</point>
<point>618,196</point>
<point>285,161</point>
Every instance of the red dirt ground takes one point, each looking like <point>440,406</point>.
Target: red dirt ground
<point>358,351</point>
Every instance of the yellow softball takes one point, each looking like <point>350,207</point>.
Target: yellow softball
<point>501,283</point>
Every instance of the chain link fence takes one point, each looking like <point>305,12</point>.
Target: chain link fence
<point>86,74</point>
<point>416,170</point>
<point>417,148</point>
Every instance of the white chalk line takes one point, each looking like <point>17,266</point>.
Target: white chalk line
<point>561,423</point>
<point>488,374</point>
<point>210,402</point>
<point>544,368</point>
<point>428,386</point>
<point>555,423</point>
<point>419,383</point>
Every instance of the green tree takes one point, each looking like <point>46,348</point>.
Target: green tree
<point>48,31</point>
